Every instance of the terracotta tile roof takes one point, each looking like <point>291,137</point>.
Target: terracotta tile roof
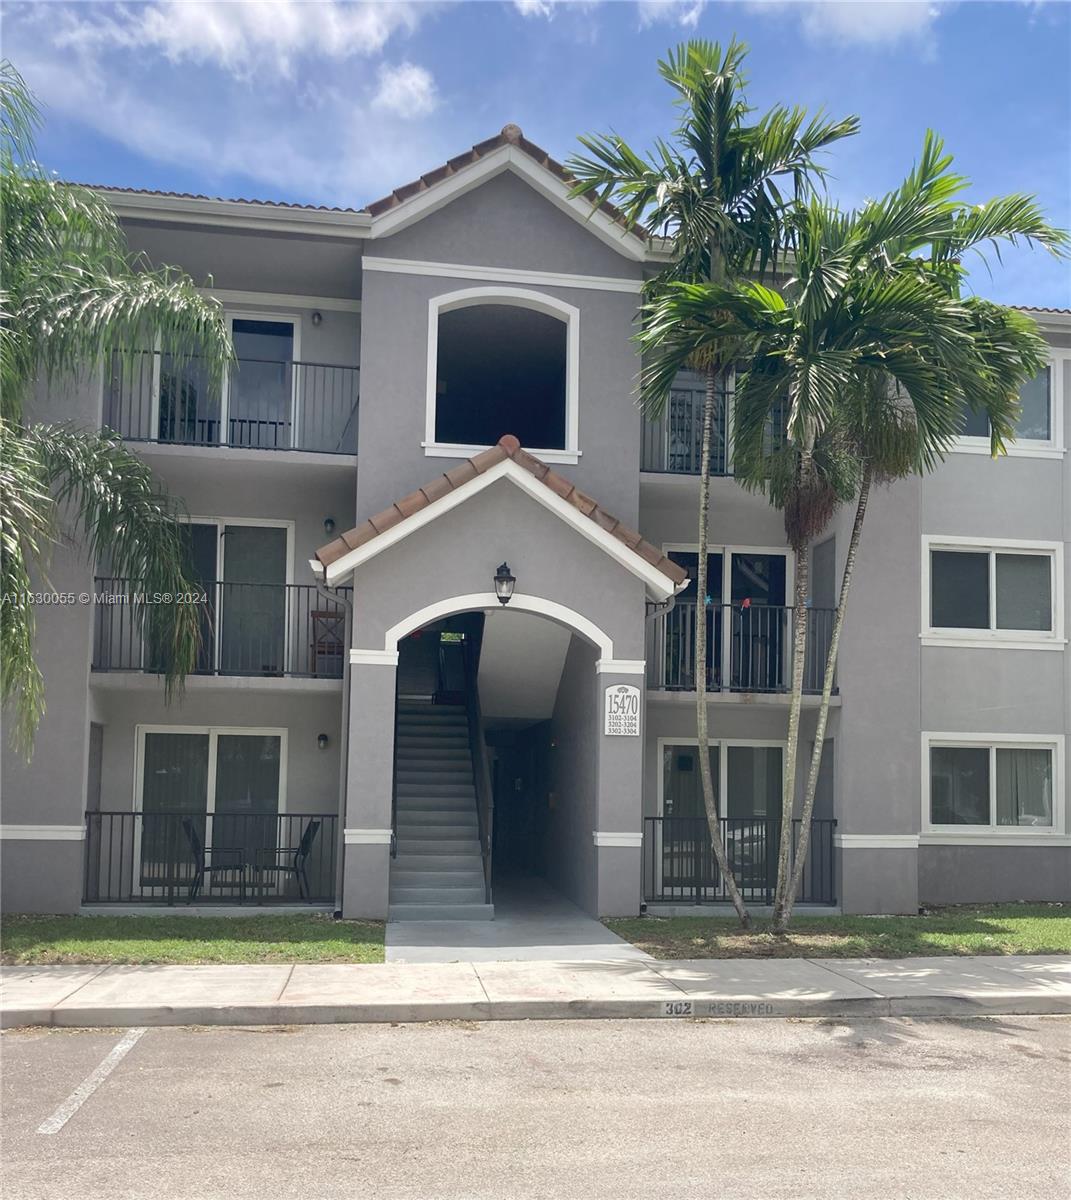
<point>510,135</point>
<point>108,187</point>
<point>508,447</point>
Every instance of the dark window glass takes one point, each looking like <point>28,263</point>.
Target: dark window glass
<point>1034,419</point>
<point>975,424</point>
<point>1024,591</point>
<point>959,589</point>
<point>959,785</point>
<point>1024,787</point>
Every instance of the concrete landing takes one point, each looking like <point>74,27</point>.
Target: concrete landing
<point>533,923</point>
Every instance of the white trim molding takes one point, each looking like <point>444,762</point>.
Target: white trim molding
<point>513,297</point>
<point>658,585</point>
<point>488,600</point>
<point>620,666</point>
<point>596,283</point>
<point>605,838</point>
<point>876,841</point>
<point>42,833</point>
<point>994,638</point>
<point>367,837</point>
<point>992,833</point>
<point>282,300</point>
<point>373,658</point>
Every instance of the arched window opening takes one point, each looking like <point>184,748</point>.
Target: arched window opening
<point>501,369</point>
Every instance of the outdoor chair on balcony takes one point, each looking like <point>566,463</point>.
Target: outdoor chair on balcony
<point>214,860</point>
<point>285,861</point>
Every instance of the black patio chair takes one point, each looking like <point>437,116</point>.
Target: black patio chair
<point>289,860</point>
<point>211,860</point>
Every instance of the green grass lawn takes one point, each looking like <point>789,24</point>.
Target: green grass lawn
<point>989,929</point>
<point>310,937</point>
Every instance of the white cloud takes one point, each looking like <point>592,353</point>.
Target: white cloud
<point>240,37</point>
<point>685,13</point>
<point>241,113</point>
<point>858,22</point>
<point>406,89</point>
<point>535,8</point>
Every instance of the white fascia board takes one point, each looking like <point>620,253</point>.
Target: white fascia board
<point>509,158</point>
<point>188,210</point>
<point>448,270</point>
<point>659,585</point>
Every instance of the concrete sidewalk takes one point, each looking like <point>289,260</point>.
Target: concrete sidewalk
<point>482,991</point>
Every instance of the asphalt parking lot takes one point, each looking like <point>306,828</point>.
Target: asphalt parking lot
<point>736,1110</point>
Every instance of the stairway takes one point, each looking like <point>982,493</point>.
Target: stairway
<point>438,872</point>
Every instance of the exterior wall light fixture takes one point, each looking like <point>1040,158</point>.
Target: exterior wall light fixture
<point>504,584</point>
<point>321,741</point>
<point>329,525</point>
<point>317,318</point>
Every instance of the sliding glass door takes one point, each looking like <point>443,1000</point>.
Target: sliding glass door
<point>260,391</point>
<point>253,618</point>
<point>204,793</point>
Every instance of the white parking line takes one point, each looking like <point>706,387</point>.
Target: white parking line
<point>91,1082</point>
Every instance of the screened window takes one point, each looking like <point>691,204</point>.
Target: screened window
<point>992,786</point>
<point>991,590</point>
<point>1034,423</point>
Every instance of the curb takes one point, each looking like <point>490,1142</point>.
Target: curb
<point>694,1008</point>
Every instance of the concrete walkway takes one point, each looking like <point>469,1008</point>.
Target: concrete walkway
<point>480,991</point>
<point>533,923</point>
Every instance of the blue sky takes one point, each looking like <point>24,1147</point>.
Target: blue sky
<point>333,102</point>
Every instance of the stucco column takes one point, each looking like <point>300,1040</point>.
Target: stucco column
<point>369,784</point>
<point>618,833</point>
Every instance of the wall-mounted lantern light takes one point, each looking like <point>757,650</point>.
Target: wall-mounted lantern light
<point>317,318</point>
<point>329,525</point>
<point>504,584</point>
<point>321,741</point>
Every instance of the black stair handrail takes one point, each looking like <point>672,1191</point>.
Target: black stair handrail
<point>481,773</point>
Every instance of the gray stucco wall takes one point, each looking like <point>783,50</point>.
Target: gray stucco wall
<point>993,874</point>
<point>506,223</point>
<point>570,848</point>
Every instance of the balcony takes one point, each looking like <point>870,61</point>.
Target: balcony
<point>255,630</point>
<point>679,865</point>
<point>672,444</point>
<point>749,648</point>
<point>260,404</point>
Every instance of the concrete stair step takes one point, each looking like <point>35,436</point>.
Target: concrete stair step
<point>442,804</point>
<point>437,895</point>
<point>465,836</point>
<point>425,819</point>
<point>421,768</point>
<point>437,844</point>
<point>433,877</point>
<point>441,912</point>
<point>438,860</point>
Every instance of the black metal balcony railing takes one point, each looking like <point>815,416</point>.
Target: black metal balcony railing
<point>261,405</point>
<point>679,864</point>
<point>177,857</point>
<point>749,648</point>
<point>263,629</point>
<point>672,443</point>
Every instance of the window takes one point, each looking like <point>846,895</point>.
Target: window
<point>1037,428</point>
<point>1007,593</point>
<point>981,782</point>
<point>502,361</point>
<point>747,774</point>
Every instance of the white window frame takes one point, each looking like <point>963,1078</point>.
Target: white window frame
<point>517,298</point>
<point>992,638</point>
<point>993,834</point>
<point>1032,447</point>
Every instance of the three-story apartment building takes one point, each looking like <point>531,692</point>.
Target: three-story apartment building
<point>446,578</point>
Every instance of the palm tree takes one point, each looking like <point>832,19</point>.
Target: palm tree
<point>713,194</point>
<point>873,355</point>
<point>72,293</point>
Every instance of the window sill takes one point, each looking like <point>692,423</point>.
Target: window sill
<point>1027,836</point>
<point>449,450</point>
<point>1018,450</point>
<point>993,643</point>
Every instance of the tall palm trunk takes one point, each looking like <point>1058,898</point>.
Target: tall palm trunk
<point>701,729</point>
<point>788,899</point>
